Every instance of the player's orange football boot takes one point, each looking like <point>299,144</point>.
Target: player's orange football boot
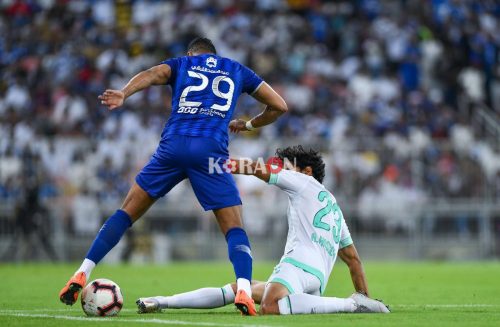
<point>245,304</point>
<point>69,293</point>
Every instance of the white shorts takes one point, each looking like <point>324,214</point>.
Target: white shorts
<point>296,280</point>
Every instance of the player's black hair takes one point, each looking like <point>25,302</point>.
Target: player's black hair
<point>202,44</point>
<point>303,158</point>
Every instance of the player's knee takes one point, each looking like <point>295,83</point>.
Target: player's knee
<point>269,307</point>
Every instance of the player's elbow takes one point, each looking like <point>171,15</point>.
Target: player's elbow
<point>282,107</point>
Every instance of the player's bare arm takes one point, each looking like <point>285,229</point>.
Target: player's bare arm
<point>275,107</point>
<point>157,75</point>
<point>350,256</point>
<point>246,166</point>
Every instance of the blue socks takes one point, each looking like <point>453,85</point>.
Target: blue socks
<point>240,252</point>
<point>109,235</point>
<point>113,229</point>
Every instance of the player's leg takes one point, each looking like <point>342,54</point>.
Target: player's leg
<point>203,298</point>
<point>155,180</point>
<point>308,301</point>
<point>290,290</point>
<point>239,251</point>
<point>284,280</point>
<point>307,304</point>
<point>240,255</point>
<point>216,190</point>
<point>135,205</point>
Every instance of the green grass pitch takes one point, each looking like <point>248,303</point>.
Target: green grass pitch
<point>420,294</point>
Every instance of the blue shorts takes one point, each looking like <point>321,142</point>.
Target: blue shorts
<point>179,157</point>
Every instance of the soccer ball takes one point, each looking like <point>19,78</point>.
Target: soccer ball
<point>102,297</point>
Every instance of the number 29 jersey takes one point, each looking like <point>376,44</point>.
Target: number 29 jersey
<point>205,89</point>
<point>316,226</point>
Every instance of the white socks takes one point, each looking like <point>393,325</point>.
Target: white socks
<point>87,267</point>
<point>244,284</point>
<point>215,297</point>
<point>307,304</point>
<point>203,298</point>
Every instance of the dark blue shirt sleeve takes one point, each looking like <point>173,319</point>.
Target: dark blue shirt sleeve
<point>251,81</point>
<point>174,64</point>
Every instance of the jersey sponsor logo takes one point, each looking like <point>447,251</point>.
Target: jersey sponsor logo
<point>208,70</point>
<point>187,110</point>
<point>211,62</point>
<point>211,112</point>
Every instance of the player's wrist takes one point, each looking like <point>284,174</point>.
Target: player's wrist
<point>125,93</point>
<point>249,126</point>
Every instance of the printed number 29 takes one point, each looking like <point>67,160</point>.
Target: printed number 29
<point>228,96</point>
<point>322,213</point>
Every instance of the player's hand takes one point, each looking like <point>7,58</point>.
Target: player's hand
<point>237,125</point>
<point>112,98</point>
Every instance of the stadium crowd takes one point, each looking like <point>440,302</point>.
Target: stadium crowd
<point>378,85</point>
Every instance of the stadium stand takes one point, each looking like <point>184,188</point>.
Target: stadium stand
<point>406,110</point>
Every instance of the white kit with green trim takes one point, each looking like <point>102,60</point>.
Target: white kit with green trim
<point>316,227</point>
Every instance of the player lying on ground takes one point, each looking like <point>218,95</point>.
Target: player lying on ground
<point>205,89</point>
<point>317,234</point>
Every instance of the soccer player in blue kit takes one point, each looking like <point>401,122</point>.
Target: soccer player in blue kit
<point>205,89</point>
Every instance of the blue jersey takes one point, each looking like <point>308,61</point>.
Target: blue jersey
<point>205,90</point>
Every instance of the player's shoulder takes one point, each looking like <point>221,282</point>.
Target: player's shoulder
<point>311,183</point>
<point>301,175</point>
<point>298,177</point>
<point>231,64</point>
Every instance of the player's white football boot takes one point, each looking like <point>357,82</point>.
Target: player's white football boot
<point>366,305</point>
<point>148,305</point>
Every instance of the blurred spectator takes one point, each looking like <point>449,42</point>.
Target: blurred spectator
<point>33,225</point>
<point>376,84</point>
<point>86,213</point>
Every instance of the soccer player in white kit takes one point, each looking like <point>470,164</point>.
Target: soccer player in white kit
<point>317,234</point>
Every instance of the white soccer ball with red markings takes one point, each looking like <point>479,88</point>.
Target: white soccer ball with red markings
<point>102,297</point>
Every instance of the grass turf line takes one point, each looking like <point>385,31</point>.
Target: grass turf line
<point>448,294</point>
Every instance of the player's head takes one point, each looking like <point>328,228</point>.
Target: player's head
<point>308,162</point>
<point>201,45</point>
